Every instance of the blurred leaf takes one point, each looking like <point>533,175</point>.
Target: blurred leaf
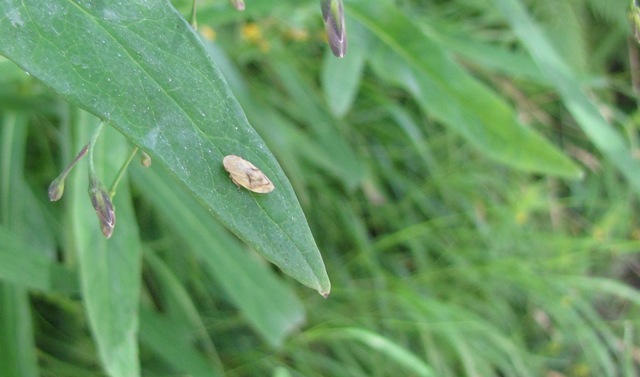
<point>17,344</point>
<point>341,77</point>
<point>269,305</point>
<point>305,106</point>
<point>385,347</point>
<point>585,112</point>
<point>180,307</point>
<point>24,266</point>
<point>17,348</point>
<point>325,146</point>
<point>515,64</point>
<point>109,268</point>
<point>409,58</point>
<point>140,67</point>
<point>164,338</point>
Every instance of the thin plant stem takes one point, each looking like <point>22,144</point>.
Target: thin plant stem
<point>92,144</point>
<point>116,181</point>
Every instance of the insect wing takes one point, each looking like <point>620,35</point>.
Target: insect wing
<point>244,173</point>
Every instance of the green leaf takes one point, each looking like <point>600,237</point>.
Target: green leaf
<point>140,67</point>
<point>382,345</point>
<point>342,160</point>
<point>341,77</point>
<point>17,344</point>
<point>110,269</point>
<point>601,134</point>
<point>408,57</point>
<point>325,146</point>
<point>187,324</point>
<point>24,266</point>
<point>17,348</point>
<point>160,334</point>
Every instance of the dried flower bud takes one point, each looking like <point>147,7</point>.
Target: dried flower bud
<point>333,16</point>
<point>56,189</point>
<point>103,206</point>
<point>238,4</point>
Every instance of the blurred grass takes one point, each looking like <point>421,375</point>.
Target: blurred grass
<point>443,261</point>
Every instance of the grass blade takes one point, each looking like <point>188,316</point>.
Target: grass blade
<point>601,134</point>
<point>451,95</point>
<point>271,307</point>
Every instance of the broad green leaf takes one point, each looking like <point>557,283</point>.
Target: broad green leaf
<point>408,57</point>
<point>110,269</point>
<point>601,134</point>
<point>268,305</point>
<point>140,67</point>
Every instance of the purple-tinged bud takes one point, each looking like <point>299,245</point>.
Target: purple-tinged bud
<point>333,16</point>
<point>103,205</point>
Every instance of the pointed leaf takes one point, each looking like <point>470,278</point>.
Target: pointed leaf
<point>140,67</point>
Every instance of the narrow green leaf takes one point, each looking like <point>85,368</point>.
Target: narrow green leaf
<point>324,147</point>
<point>164,338</point>
<point>601,134</point>
<point>110,269</point>
<point>305,105</point>
<point>17,348</point>
<point>384,346</point>
<point>270,306</point>
<point>605,286</point>
<point>341,77</point>
<point>140,67</point>
<point>17,343</point>
<point>447,92</point>
<point>179,305</point>
<point>21,265</point>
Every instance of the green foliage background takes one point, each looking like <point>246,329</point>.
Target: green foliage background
<point>469,172</point>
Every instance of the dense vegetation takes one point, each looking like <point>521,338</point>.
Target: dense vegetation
<point>469,171</point>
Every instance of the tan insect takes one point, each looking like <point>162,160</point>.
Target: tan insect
<point>245,174</point>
